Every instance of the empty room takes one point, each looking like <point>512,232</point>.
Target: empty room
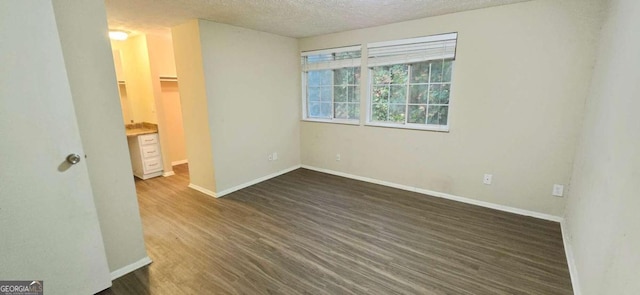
<point>320,147</point>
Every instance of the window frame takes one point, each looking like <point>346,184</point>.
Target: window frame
<point>406,124</point>
<point>389,59</point>
<point>305,102</point>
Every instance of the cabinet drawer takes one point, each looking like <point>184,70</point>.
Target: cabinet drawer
<point>150,151</point>
<point>148,139</point>
<point>152,165</point>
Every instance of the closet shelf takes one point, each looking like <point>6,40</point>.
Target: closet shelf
<point>168,79</point>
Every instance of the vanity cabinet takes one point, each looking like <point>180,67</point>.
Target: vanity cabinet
<point>146,158</point>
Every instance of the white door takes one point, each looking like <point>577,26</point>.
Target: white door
<point>48,222</point>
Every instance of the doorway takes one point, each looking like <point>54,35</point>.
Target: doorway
<point>150,103</point>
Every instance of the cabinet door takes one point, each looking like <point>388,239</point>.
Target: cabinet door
<point>148,139</point>
<point>150,151</point>
<point>152,165</point>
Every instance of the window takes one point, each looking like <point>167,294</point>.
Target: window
<point>410,82</point>
<point>331,85</point>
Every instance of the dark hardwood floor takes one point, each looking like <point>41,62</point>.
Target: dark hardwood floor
<point>307,232</point>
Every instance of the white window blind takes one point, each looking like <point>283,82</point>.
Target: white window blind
<point>335,58</point>
<point>412,50</point>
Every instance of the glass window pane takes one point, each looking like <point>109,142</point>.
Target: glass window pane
<point>380,75</point>
<point>354,111</point>
<point>446,70</point>
<point>319,58</point>
<point>317,78</point>
<point>326,77</point>
<point>399,74</point>
<point>313,78</point>
<point>313,93</point>
<point>417,114</point>
<point>356,76</point>
<point>380,94</point>
<point>436,71</point>
<point>346,76</point>
<point>398,94</point>
<point>340,93</point>
<point>439,93</point>
<point>325,93</point>
<point>325,110</point>
<point>314,109</point>
<point>397,113</point>
<point>420,72</point>
<point>379,112</point>
<point>320,110</point>
<point>418,93</point>
<point>341,76</point>
<point>340,111</point>
<point>395,74</point>
<point>348,55</point>
<point>438,115</point>
<point>354,93</point>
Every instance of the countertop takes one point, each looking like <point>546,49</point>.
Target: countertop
<point>140,131</point>
<point>140,128</point>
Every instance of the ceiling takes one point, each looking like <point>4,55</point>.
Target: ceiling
<point>292,18</point>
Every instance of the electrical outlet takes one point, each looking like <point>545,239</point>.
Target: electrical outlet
<point>338,157</point>
<point>487,179</point>
<point>275,156</point>
<point>270,157</point>
<point>558,190</point>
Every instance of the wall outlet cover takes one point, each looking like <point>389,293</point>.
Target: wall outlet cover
<point>558,190</point>
<point>487,179</point>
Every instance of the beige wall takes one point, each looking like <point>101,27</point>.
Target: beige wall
<point>125,102</point>
<point>90,69</point>
<point>252,86</point>
<point>137,75</point>
<point>157,53</point>
<point>173,118</point>
<point>193,99</point>
<point>162,63</point>
<point>520,80</point>
<point>603,225</point>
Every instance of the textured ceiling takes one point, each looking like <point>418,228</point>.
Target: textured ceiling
<point>293,18</point>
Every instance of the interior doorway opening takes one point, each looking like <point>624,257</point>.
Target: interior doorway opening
<point>150,103</point>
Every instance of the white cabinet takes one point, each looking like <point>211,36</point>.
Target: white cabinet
<point>146,158</point>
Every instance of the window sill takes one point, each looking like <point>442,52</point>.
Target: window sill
<point>335,121</point>
<point>435,128</point>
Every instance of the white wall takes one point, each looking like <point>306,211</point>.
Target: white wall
<point>602,219</point>
<point>519,84</point>
<point>252,86</point>
<point>90,68</point>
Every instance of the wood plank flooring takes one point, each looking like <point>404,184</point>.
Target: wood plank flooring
<point>307,232</point>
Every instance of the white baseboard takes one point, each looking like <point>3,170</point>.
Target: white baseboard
<point>129,268</point>
<point>203,190</point>
<point>185,161</point>
<point>169,173</point>
<point>257,180</point>
<point>441,195</point>
<point>568,251</point>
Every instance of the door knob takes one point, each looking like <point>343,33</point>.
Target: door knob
<point>73,158</point>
